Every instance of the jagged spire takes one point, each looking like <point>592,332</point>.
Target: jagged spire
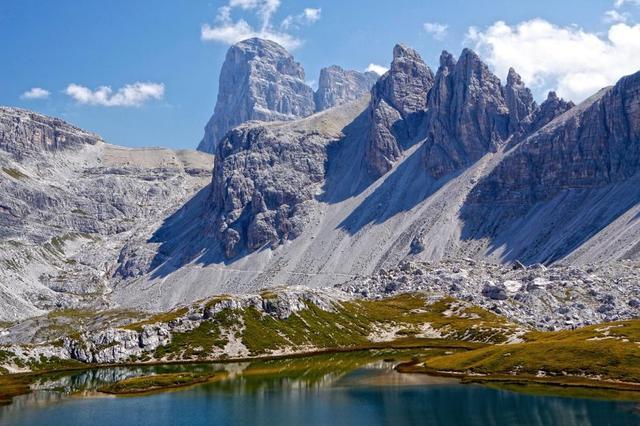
<point>522,107</point>
<point>447,61</point>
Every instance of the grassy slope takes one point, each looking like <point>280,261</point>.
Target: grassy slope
<point>348,326</point>
<point>606,351</point>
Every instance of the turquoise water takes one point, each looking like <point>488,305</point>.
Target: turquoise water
<point>347,395</point>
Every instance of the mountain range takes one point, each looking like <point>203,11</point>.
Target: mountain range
<point>318,188</point>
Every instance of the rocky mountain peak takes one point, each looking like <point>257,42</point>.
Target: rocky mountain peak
<point>551,108</point>
<point>401,51</point>
<point>267,52</point>
<point>337,86</point>
<point>513,78</point>
<point>398,102</point>
<point>259,80</point>
<point>468,114</point>
<point>520,102</point>
<point>406,84</point>
<point>447,62</point>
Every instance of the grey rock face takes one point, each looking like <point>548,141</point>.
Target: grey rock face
<point>398,100</point>
<point>468,114</point>
<point>406,84</point>
<point>594,146</point>
<point>266,177</point>
<point>24,133</point>
<point>259,80</point>
<point>262,180</point>
<point>337,86</point>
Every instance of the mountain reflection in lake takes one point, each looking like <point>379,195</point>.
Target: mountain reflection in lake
<point>340,389</point>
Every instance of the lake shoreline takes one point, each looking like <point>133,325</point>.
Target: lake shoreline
<point>12,385</point>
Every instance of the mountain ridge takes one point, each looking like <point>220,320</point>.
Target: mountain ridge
<point>311,202</point>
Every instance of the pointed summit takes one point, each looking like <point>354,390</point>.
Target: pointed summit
<point>447,61</point>
<point>259,80</point>
<point>406,84</point>
<point>468,115</point>
<point>513,78</point>
<point>520,102</point>
<point>398,102</point>
<point>401,51</point>
<point>550,109</point>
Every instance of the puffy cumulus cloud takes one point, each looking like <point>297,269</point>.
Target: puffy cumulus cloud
<point>130,95</point>
<point>574,62</point>
<point>35,93</point>
<point>229,31</point>
<point>308,16</point>
<point>437,31</point>
<point>378,69</point>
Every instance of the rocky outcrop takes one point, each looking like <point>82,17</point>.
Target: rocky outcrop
<point>24,133</point>
<point>468,114</point>
<point>266,178</point>
<point>259,80</point>
<point>561,297</point>
<point>398,102</point>
<point>262,180</point>
<point>115,345</point>
<point>337,86</point>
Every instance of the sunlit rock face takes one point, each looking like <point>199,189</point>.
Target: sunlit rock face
<point>259,80</point>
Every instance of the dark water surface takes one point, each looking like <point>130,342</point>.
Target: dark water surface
<point>328,391</point>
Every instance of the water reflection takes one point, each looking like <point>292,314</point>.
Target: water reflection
<point>343,389</point>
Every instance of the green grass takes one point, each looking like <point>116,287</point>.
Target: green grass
<point>609,351</point>
<point>71,314</point>
<point>350,324</point>
<point>160,318</point>
<point>54,364</point>
<point>14,173</point>
<point>347,326</point>
<point>197,343</point>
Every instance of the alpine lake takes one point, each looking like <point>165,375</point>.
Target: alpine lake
<point>346,388</point>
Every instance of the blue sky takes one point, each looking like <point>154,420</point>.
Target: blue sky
<point>57,54</point>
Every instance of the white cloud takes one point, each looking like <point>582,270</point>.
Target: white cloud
<point>613,16</point>
<point>35,93</point>
<point>620,3</point>
<point>308,16</point>
<point>437,31</point>
<point>135,94</point>
<point>265,8</point>
<point>570,60</point>
<point>229,31</point>
<point>378,69</point>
